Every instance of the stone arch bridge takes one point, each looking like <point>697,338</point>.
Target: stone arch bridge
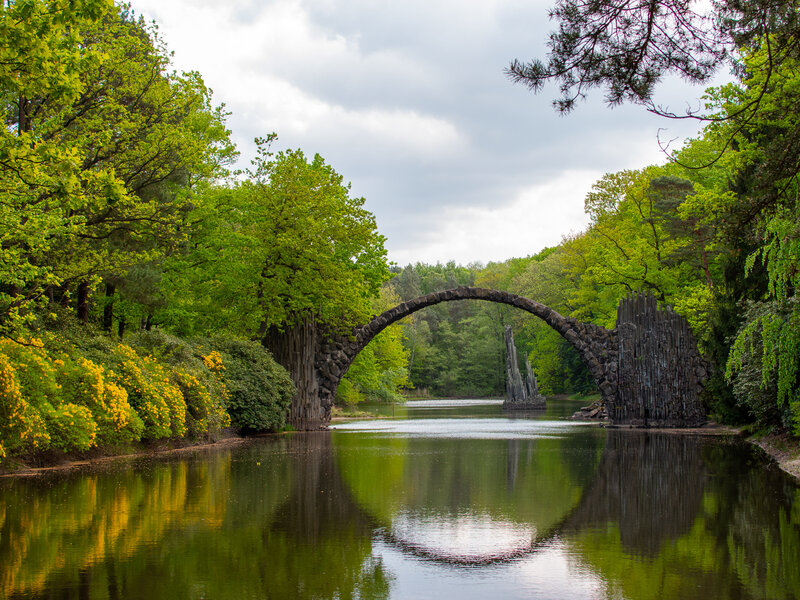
<point>648,369</point>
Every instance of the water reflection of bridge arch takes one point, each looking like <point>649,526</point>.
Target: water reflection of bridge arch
<point>650,486</point>
<point>259,515</point>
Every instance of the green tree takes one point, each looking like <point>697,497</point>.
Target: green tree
<point>752,139</point>
<point>380,370</point>
<point>97,161</point>
<point>455,348</point>
<point>552,277</point>
<point>287,243</point>
<point>769,335</point>
<point>626,47</point>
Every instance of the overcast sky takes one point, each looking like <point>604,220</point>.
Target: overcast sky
<point>408,101</point>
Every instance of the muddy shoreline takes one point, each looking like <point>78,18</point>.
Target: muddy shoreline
<point>784,450</point>
<point>99,458</point>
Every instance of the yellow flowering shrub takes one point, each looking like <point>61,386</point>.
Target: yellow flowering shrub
<point>199,372</point>
<point>205,411</point>
<point>213,362</point>
<point>21,425</point>
<point>71,427</point>
<point>35,369</point>
<point>157,400</point>
<point>86,383</point>
<point>52,420</point>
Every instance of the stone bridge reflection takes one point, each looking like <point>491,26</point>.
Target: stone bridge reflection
<point>649,486</point>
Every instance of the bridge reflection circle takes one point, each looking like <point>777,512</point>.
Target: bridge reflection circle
<point>465,539</point>
<point>501,491</point>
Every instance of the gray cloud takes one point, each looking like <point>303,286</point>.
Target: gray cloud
<point>408,101</point>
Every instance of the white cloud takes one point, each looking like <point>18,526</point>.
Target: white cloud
<point>257,69</point>
<point>538,217</point>
<point>408,101</point>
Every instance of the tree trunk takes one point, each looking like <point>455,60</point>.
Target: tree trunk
<point>64,296</point>
<point>83,302</point>
<point>121,329</point>
<point>23,122</point>
<point>108,309</point>
<point>706,270</point>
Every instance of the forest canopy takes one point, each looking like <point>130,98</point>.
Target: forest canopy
<point>736,214</point>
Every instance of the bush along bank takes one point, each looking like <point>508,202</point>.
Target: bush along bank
<point>63,394</point>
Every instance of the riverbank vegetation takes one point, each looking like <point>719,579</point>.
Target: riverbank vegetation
<point>139,274</point>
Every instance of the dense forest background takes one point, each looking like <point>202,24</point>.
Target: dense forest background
<point>139,273</point>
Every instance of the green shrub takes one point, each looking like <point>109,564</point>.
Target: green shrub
<point>71,427</point>
<point>198,373</point>
<point>70,394</point>
<point>347,393</point>
<point>763,364</point>
<point>259,389</point>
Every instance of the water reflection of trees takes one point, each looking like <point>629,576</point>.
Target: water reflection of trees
<point>655,515</point>
<point>676,516</point>
<point>444,499</point>
<point>530,481</point>
<point>755,516</point>
<point>648,488</point>
<point>62,528</point>
<point>319,506</point>
<point>222,525</point>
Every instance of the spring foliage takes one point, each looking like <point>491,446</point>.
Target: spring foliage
<point>52,397</point>
<point>100,144</point>
<point>116,207</point>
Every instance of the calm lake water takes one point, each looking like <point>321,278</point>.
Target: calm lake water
<point>439,502</point>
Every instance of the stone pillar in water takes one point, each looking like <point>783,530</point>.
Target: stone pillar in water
<point>520,395</point>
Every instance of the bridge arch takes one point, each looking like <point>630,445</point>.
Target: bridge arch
<point>597,346</point>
